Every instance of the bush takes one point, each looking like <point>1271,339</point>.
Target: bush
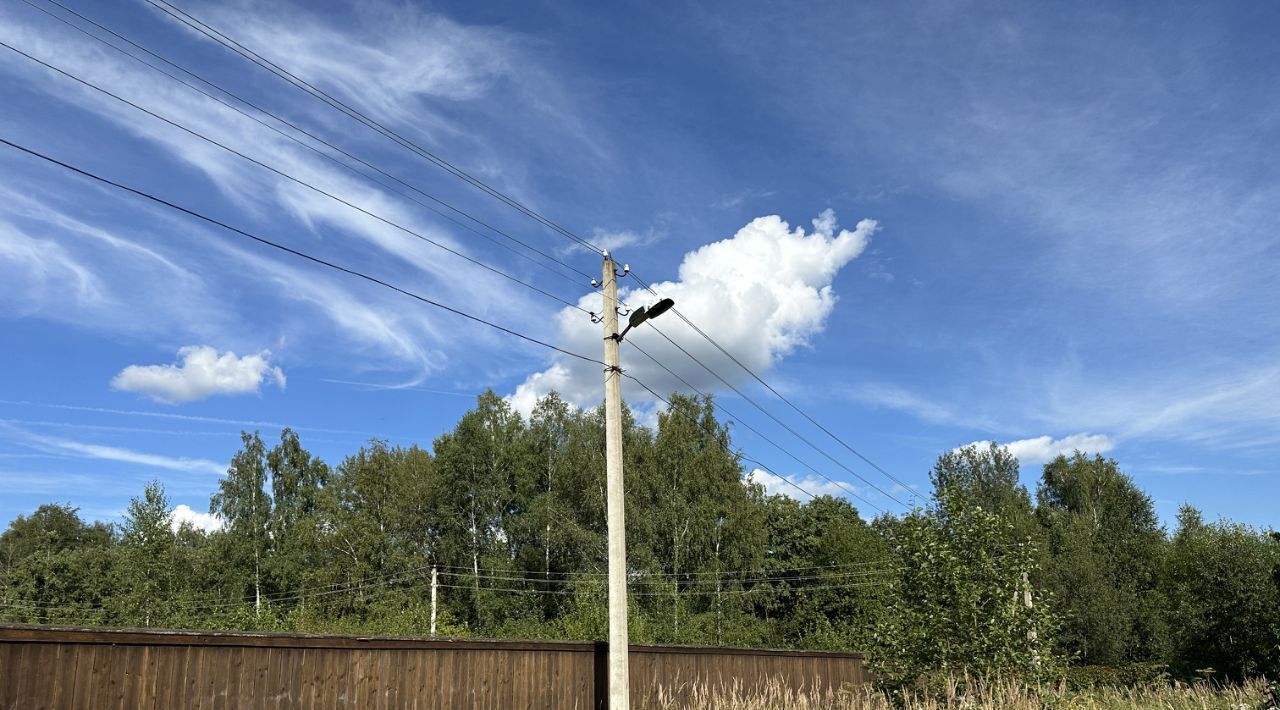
<point>1127,675</point>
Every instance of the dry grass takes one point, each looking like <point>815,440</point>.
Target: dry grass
<point>1004,695</point>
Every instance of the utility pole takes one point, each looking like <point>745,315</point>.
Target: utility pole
<point>619,691</point>
<point>1026,601</point>
<point>434,582</point>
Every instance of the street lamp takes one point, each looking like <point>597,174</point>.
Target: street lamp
<point>643,314</point>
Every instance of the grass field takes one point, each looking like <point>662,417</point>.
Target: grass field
<point>1255,695</point>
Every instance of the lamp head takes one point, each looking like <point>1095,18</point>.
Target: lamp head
<point>638,316</point>
<point>659,308</point>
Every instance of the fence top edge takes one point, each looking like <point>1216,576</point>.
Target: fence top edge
<point>35,633</point>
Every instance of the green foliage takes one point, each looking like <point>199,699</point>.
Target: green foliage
<point>1105,556</point>
<point>55,568</point>
<point>510,514</point>
<point>1223,582</point>
<point>1128,675</point>
<point>959,604</point>
<point>986,476</point>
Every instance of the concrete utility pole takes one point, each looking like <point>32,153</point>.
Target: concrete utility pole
<point>434,582</point>
<point>1026,601</point>
<point>619,691</point>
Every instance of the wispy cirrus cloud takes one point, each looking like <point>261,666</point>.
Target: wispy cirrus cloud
<point>115,453</point>
<point>384,69</point>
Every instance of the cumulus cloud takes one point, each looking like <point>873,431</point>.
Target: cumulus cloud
<point>183,513</point>
<point>1045,448</point>
<point>776,485</point>
<point>202,373</point>
<point>761,294</point>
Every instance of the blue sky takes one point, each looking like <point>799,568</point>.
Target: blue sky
<point>927,223</point>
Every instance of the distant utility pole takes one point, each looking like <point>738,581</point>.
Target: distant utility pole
<point>619,691</point>
<point>1026,601</point>
<point>434,583</point>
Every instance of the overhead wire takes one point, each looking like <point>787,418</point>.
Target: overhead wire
<point>291,178</point>
<point>352,272</point>
<point>635,580</point>
<point>243,51</point>
<point>325,263</point>
<point>386,584</point>
<point>750,428</point>
<point>289,250</point>
<point>784,479</point>
<point>781,423</point>
<point>563,301</point>
<point>776,393</point>
<point>310,134</point>
<point>641,573</point>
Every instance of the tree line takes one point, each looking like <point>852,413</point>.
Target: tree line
<point>502,523</point>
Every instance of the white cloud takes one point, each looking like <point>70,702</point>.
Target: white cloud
<point>613,241</point>
<point>889,396</point>
<point>777,485</point>
<point>387,62</point>
<point>113,453</point>
<point>761,294</point>
<point>107,287</point>
<point>203,373</point>
<point>183,513</point>
<point>1045,448</point>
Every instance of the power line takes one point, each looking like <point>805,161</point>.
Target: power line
<point>385,586</point>
<point>309,134</point>
<point>750,428</point>
<point>290,250</point>
<point>252,56</point>
<point>769,414</point>
<point>641,574</point>
<point>257,59</point>
<point>291,178</point>
<point>452,169</point>
<point>778,394</point>
<point>513,577</point>
<point>784,479</point>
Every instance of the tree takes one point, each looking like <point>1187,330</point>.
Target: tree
<point>146,567</point>
<point>559,531</point>
<point>478,465</point>
<point>379,530</point>
<point>1225,600</point>
<point>244,504</point>
<point>957,606</point>
<point>1105,553</point>
<point>54,567</point>
<point>986,476</point>
<point>695,522</point>
<point>297,480</point>
<point>829,565</point>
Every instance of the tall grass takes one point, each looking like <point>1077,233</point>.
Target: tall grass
<point>997,695</point>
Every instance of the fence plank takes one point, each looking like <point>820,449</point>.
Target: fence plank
<point>91,668</point>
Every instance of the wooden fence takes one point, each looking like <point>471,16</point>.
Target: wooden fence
<point>52,667</point>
